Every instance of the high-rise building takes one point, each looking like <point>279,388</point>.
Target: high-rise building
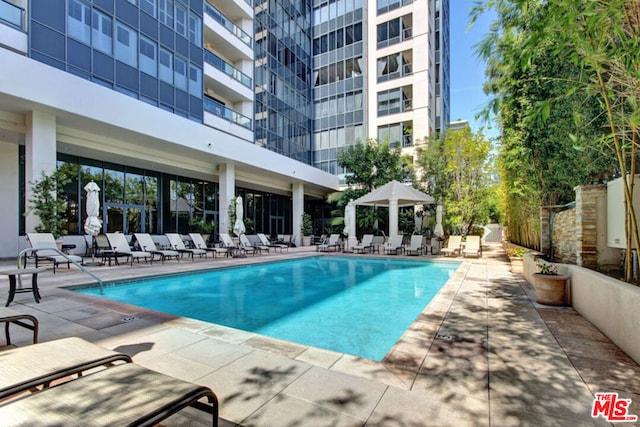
<point>154,101</point>
<point>177,106</point>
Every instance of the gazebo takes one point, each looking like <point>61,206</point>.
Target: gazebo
<point>393,194</point>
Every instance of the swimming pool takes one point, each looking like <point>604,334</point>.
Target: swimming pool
<point>354,305</point>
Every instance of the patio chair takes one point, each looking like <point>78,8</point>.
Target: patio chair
<point>148,245</point>
<point>246,246</point>
<point>199,243</point>
<point>453,246</point>
<point>125,394</point>
<point>46,249</point>
<point>27,321</point>
<point>472,247</point>
<point>118,242</point>
<point>393,245</point>
<point>416,246</point>
<point>365,245</point>
<point>178,245</point>
<point>333,243</point>
<point>266,242</point>
<point>102,248</point>
<point>228,244</point>
<point>256,242</point>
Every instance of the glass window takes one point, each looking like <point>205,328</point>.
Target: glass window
<point>195,81</point>
<point>166,66</point>
<point>148,6</point>
<point>357,32</point>
<point>101,32</point>
<point>195,29</point>
<point>148,58</point>
<point>165,12</point>
<point>79,21</point>
<point>181,20</point>
<point>126,45</point>
<point>180,73</point>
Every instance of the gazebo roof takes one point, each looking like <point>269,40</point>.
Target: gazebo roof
<point>406,195</point>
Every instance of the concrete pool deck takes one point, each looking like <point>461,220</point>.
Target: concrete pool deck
<point>482,353</point>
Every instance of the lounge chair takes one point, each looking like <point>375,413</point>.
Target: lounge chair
<point>257,243</point>
<point>23,368</point>
<point>199,243</point>
<point>228,244</point>
<point>148,245</point>
<point>125,394</point>
<point>472,247</point>
<point>47,250</point>
<point>393,245</point>
<point>453,246</point>
<point>118,242</point>
<point>365,245</point>
<point>102,248</point>
<point>178,245</point>
<point>333,243</point>
<point>27,321</point>
<point>246,246</point>
<point>266,242</point>
<point>416,246</point>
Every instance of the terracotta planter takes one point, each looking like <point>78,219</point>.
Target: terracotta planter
<point>517,265</point>
<point>550,289</point>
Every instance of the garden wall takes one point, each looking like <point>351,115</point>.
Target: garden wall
<point>578,235</point>
<point>609,304</point>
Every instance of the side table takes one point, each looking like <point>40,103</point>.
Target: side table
<point>13,290</point>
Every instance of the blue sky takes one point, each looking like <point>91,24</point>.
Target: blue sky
<point>467,72</point>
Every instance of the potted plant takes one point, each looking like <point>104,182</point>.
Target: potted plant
<point>516,256</point>
<point>549,285</point>
<point>307,229</point>
<point>45,203</point>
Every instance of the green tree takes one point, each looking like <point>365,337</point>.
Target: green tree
<point>369,165</point>
<point>547,124</point>
<point>46,202</point>
<point>457,170</point>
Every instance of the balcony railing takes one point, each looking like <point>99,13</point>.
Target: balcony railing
<point>228,24</point>
<point>227,68</point>
<point>386,6</point>
<point>394,107</point>
<point>405,34</point>
<point>403,71</point>
<point>11,14</point>
<point>217,109</point>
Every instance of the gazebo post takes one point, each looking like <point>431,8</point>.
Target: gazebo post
<point>393,216</point>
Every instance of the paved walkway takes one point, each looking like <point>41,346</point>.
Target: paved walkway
<point>481,354</point>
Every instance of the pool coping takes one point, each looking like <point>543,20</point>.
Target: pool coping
<point>399,367</point>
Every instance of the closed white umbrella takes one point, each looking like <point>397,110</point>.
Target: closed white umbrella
<point>92,225</point>
<point>439,231</point>
<point>238,226</point>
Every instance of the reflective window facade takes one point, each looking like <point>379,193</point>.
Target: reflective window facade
<point>283,84</point>
<point>116,43</point>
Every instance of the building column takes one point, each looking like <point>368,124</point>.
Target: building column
<point>297,211</point>
<point>226,191</point>
<point>393,216</point>
<point>40,154</point>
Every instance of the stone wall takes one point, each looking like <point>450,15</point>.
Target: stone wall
<point>564,239</point>
<point>578,235</point>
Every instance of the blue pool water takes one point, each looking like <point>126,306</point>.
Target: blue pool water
<point>357,306</point>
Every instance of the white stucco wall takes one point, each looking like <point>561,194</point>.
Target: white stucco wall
<point>9,214</point>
